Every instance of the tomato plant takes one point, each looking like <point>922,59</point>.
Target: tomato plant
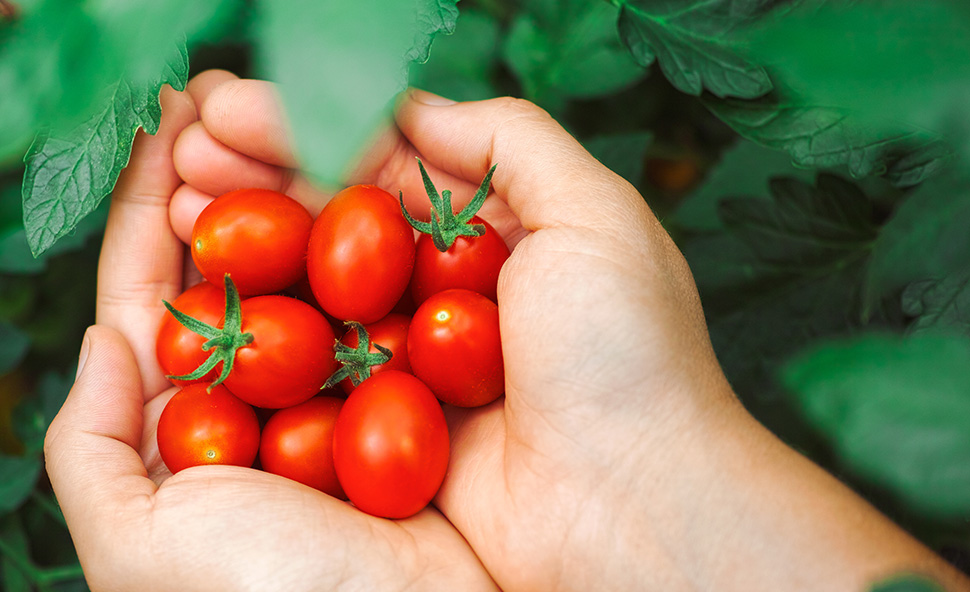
<point>178,348</point>
<point>391,332</point>
<point>256,235</point>
<point>207,428</point>
<point>360,255</point>
<point>454,348</point>
<point>297,443</point>
<point>391,445</point>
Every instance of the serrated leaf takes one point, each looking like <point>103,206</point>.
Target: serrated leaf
<point>897,412</point>
<point>907,583</point>
<point>693,40</point>
<point>17,477</point>
<point>939,305</point>
<point>622,153</point>
<point>821,137</point>
<point>434,17</point>
<point>14,344</point>
<point>69,173</point>
<point>462,64</point>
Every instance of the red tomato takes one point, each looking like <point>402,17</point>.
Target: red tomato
<point>297,443</point>
<point>454,347</point>
<point>257,236</point>
<point>179,350</point>
<point>361,254</point>
<point>472,263</point>
<point>291,355</point>
<point>390,445</point>
<point>390,332</point>
<point>207,428</point>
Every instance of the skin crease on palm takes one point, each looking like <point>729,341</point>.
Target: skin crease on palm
<point>619,459</point>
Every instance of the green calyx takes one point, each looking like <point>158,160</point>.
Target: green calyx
<point>223,342</point>
<point>445,225</point>
<point>356,363</point>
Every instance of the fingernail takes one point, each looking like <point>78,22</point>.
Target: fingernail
<point>426,98</point>
<point>83,356</point>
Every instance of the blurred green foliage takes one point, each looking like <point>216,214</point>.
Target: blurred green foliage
<point>808,156</point>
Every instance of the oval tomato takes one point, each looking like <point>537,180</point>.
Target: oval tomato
<point>360,255</point>
<point>178,349</point>
<point>291,355</point>
<point>472,263</point>
<point>257,236</point>
<point>207,428</point>
<point>454,347</point>
<point>390,332</point>
<point>391,446</point>
<point>297,443</point>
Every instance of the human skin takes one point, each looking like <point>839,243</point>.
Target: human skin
<point>620,457</point>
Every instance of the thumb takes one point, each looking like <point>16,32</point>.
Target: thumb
<point>91,446</point>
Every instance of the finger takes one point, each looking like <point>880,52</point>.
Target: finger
<point>148,450</point>
<point>202,84</point>
<point>91,446</point>
<point>141,258</point>
<point>540,167</point>
<point>186,205</point>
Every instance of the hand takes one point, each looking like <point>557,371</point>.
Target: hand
<point>137,527</point>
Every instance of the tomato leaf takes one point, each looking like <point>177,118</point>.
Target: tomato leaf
<point>897,411</point>
<point>942,304</point>
<point>461,65</point>
<point>69,173</point>
<point>434,17</point>
<point>14,344</point>
<point>17,477</point>
<point>693,42</point>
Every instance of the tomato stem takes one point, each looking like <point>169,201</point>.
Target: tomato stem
<point>356,363</point>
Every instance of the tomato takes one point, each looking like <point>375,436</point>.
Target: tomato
<point>291,355</point>
<point>472,263</point>
<point>390,445</point>
<point>360,255</point>
<point>207,428</point>
<point>297,443</point>
<point>454,347</point>
<point>178,349</point>
<point>390,332</point>
<point>257,236</point>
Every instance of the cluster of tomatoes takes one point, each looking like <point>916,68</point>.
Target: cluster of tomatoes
<point>358,418</point>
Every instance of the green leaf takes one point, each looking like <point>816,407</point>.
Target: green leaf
<point>942,304</point>
<point>17,477</point>
<point>15,255</point>
<point>14,556</point>
<point>907,583</point>
<point>570,49</point>
<point>623,154</point>
<point>461,65</point>
<point>694,42</point>
<point>14,344</point>
<point>744,170</point>
<point>69,173</point>
<point>897,412</point>
<point>434,17</point>
<point>926,239</point>
<point>822,136</point>
<point>338,69</point>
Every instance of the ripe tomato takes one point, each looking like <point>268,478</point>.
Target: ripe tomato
<point>207,428</point>
<point>472,263</point>
<point>297,443</point>
<point>291,355</point>
<point>454,347</point>
<point>390,445</point>
<point>360,255</point>
<point>390,332</point>
<point>178,349</point>
<point>257,236</point>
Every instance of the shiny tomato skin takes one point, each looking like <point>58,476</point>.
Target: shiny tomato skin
<point>297,443</point>
<point>179,350</point>
<point>390,332</point>
<point>471,263</point>
<point>360,255</point>
<point>257,236</point>
<point>207,428</point>
<point>391,446</point>
<point>455,348</point>
<point>291,355</point>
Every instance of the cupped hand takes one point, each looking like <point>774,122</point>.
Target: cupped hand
<point>137,527</point>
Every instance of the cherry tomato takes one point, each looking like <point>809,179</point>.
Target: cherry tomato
<point>390,332</point>
<point>454,347</point>
<point>257,236</point>
<point>207,428</point>
<point>360,255</point>
<point>297,443</point>
<point>390,445</point>
<point>179,350</point>
<point>291,355</point>
<point>472,263</point>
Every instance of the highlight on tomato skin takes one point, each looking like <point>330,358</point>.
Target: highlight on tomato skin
<point>207,428</point>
